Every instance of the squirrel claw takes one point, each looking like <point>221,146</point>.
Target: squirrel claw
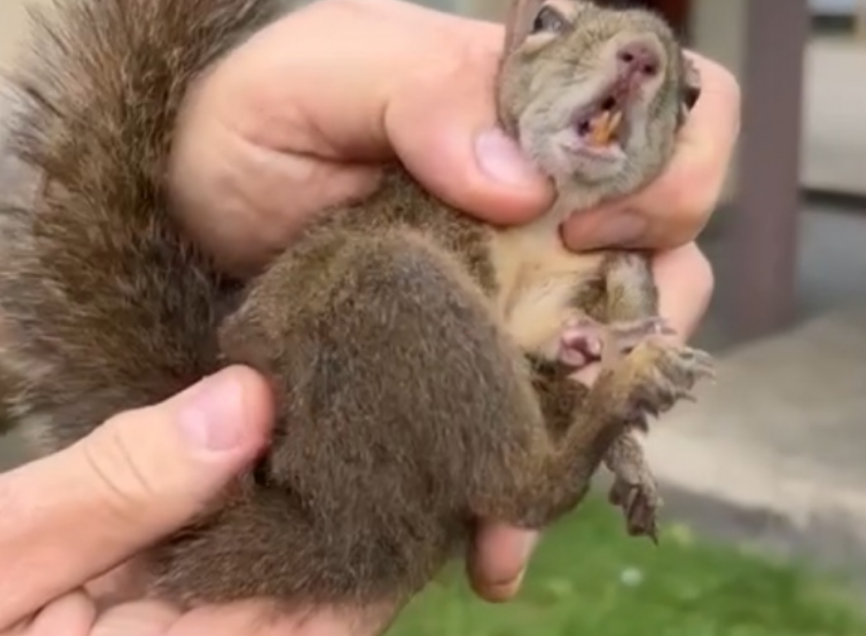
<point>639,502</point>
<point>667,374</point>
<point>634,489</point>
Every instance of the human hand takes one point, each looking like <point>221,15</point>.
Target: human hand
<point>73,516</point>
<point>258,152</point>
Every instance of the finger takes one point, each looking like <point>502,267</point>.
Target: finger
<point>498,560</point>
<point>141,618</point>
<point>71,615</point>
<point>421,87</point>
<point>123,584</point>
<point>69,517</point>
<point>459,153</point>
<point>674,208</point>
<point>289,145</point>
<point>261,619</point>
<point>428,96</point>
<point>251,228</point>
<point>685,280</point>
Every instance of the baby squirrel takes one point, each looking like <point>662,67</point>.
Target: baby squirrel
<point>629,90</point>
<point>421,360</point>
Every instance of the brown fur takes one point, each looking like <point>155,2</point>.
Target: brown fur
<point>406,406</point>
<point>613,287</point>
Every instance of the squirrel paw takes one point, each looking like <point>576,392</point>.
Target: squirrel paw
<point>640,503</point>
<point>635,491</point>
<point>582,340</point>
<point>666,373</point>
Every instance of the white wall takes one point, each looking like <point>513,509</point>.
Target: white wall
<point>833,7</point>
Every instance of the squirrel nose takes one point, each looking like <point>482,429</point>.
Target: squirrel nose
<point>639,57</point>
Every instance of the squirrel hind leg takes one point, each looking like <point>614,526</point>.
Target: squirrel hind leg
<point>634,490</point>
<point>394,385</point>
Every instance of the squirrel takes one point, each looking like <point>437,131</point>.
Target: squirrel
<point>422,362</point>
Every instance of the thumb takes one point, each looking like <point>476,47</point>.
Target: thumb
<point>70,517</point>
<point>443,127</point>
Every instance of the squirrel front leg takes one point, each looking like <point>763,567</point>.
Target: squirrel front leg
<point>561,339</point>
<point>631,295</point>
<point>573,338</point>
<point>551,470</point>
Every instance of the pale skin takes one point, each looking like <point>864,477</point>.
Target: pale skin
<point>257,152</point>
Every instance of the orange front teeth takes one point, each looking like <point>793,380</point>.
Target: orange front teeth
<point>604,127</point>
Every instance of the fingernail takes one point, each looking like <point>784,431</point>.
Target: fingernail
<point>501,159</point>
<point>530,543</point>
<point>212,417</point>
<point>505,590</point>
<point>607,229</point>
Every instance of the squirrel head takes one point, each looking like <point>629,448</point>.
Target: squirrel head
<point>594,95</point>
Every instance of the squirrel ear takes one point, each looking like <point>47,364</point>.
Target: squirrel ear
<point>527,17</point>
<point>518,22</point>
<point>691,84</point>
<point>690,89</point>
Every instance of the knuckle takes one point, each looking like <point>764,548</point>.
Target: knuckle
<point>697,210</point>
<point>730,86</point>
<point>699,279</point>
<point>123,484</point>
<point>725,89</point>
<point>692,200</point>
<point>688,213</point>
<point>720,80</point>
<point>705,278</point>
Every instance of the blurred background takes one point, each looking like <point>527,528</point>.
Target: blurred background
<point>765,477</point>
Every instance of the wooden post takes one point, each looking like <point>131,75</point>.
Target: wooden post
<point>762,253</point>
<point>860,20</point>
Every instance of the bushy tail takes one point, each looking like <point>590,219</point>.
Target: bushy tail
<point>99,294</point>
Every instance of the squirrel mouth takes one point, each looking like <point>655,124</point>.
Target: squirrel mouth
<point>602,125</point>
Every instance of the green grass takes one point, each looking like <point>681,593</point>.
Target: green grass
<point>588,579</point>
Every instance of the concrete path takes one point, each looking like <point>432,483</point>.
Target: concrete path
<point>776,450</point>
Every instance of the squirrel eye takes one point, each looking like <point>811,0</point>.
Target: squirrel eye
<point>549,20</point>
